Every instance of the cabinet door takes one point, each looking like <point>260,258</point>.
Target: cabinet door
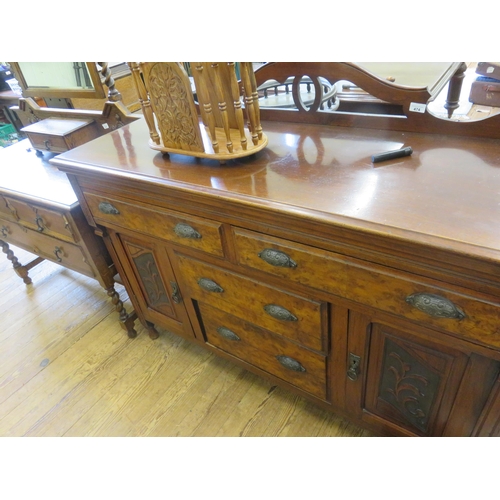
<point>400,380</point>
<point>151,277</point>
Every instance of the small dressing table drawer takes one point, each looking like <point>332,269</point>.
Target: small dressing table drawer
<point>58,135</point>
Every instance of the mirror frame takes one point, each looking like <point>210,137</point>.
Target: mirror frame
<point>96,93</point>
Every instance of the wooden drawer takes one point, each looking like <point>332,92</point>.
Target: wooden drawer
<point>4,208</point>
<point>47,142</point>
<point>193,232</point>
<point>40,219</point>
<point>59,135</point>
<point>61,252</point>
<point>413,297</point>
<point>294,317</point>
<point>272,353</point>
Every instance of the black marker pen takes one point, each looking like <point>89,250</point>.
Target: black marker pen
<point>389,155</point>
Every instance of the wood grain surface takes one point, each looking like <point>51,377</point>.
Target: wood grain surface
<point>68,370</point>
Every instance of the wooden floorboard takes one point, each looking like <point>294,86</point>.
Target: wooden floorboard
<point>67,368</point>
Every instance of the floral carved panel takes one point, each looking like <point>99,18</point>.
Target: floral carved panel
<point>172,102</point>
<point>151,280</point>
<point>408,384</point>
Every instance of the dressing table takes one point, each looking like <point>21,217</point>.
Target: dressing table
<point>39,211</point>
<point>371,289</point>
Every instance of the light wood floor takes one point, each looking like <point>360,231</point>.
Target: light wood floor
<point>68,369</point>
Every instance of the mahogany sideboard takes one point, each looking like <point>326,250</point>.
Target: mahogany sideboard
<point>40,213</point>
<point>371,289</point>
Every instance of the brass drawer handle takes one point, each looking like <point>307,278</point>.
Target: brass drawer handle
<point>227,333</point>
<point>435,305</point>
<point>47,144</point>
<point>354,367</point>
<point>290,363</point>
<point>186,231</point>
<point>276,258</point>
<point>40,226</point>
<point>5,231</point>
<point>106,208</point>
<point>210,285</point>
<point>278,312</point>
<point>57,251</point>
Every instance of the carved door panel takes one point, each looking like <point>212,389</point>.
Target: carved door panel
<point>406,382</point>
<point>154,285</point>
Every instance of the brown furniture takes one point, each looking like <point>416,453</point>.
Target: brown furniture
<point>124,85</point>
<point>372,290</point>
<point>60,129</point>
<point>40,213</point>
<point>216,126</point>
<point>58,135</point>
<point>395,107</point>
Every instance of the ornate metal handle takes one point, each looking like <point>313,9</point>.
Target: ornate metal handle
<point>57,251</point>
<point>435,305</point>
<point>276,258</point>
<point>186,231</point>
<point>354,367</point>
<point>106,208</point>
<point>210,285</point>
<point>176,294</point>
<point>47,145</point>
<point>290,363</point>
<point>227,333</point>
<point>278,312</point>
<point>5,231</point>
<point>39,223</point>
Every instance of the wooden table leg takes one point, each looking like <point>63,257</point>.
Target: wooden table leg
<point>21,271</point>
<point>126,320</point>
<point>153,333</point>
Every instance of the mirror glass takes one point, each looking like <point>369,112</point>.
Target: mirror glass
<point>410,74</point>
<point>57,75</point>
<point>58,79</point>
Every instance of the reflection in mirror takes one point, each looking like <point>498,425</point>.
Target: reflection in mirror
<point>58,79</point>
<point>408,74</point>
<point>57,75</point>
<point>327,89</point>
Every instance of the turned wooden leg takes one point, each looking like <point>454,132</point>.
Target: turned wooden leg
<point>153,333</point>
<point>126,320</point>
<point>21,271</point>
<point>454,90</point>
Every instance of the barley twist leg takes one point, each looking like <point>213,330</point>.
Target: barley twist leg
<point>21,271</point>
<point>126,320</point>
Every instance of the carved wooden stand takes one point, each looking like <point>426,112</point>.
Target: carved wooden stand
<point>172,116</point>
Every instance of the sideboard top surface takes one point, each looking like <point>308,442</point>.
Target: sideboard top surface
<point>447,193</point>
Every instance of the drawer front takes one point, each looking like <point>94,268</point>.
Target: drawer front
<point>61,252</point>
<point>47,142</point>
<point>411,297</point>
<point>272,353</point>
<point>5,208</point>
<point>41,219</point>
<point>193,232</point>
<point>294,317</point>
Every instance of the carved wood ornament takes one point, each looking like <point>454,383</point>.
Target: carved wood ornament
<point>214,127</point>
